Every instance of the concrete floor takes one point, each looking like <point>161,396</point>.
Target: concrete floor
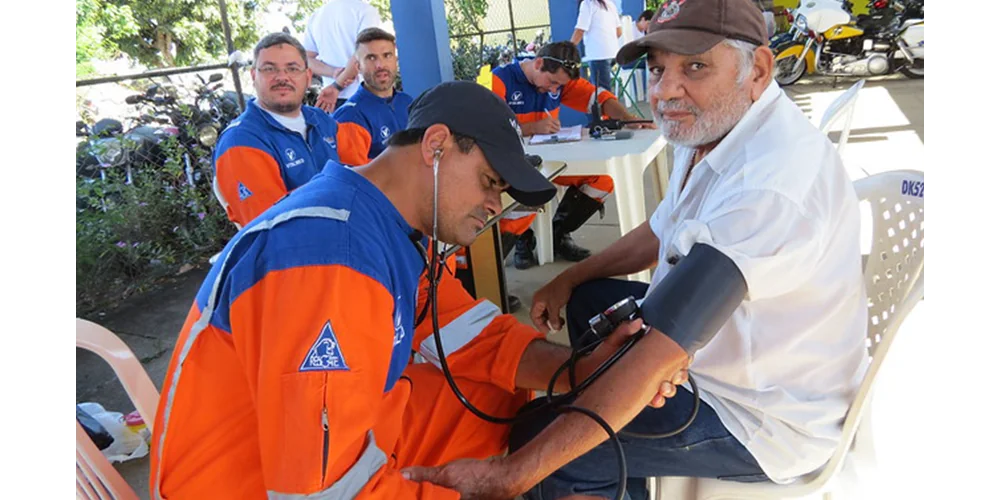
<point>887,134</point>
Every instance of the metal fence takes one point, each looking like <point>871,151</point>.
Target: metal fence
<point>509,29</point>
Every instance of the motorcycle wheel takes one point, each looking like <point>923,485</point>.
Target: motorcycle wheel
<point>916,71</point>
<point>784,71</point>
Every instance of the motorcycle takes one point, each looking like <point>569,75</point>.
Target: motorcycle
<point>108,146</point>
<point>834,45</point>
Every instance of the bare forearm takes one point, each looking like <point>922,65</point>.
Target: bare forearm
<point>617,396</point>
<point>323,69</point>
<point>539,361</point>
<point>636,251</point>
<point>577,37</point>
<point>614,109</point>
<point>530,128</point>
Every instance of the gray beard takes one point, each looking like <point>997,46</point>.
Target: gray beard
<point>709,126</point>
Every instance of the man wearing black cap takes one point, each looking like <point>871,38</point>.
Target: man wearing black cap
<point>777,378</point>
<point>293,374</point>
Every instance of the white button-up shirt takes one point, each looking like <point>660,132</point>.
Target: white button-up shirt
<point>332,31</point>
<point>775,198</point>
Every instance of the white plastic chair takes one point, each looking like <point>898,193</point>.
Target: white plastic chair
<point>96,478</point>
<point>894,282</point>
<point>842,107</point>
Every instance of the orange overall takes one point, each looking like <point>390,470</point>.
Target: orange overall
<point>294,373</point>
<point>530,105</point>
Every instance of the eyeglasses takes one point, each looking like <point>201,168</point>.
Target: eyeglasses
<point>271,71</point>
<point>570,65</point>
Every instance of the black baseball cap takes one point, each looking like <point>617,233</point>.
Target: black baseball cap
<point>694,26</point>
<point>472,110</point>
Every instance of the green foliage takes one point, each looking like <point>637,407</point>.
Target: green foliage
<point>160,33</point>
<point>129,236</point>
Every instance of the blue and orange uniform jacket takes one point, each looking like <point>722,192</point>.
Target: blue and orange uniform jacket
<point>530,105</point>
<point>258,160</point>
<point>371,119</point>
<point>286,377</point>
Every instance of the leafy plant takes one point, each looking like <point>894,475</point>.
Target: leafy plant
<point>130,235</point>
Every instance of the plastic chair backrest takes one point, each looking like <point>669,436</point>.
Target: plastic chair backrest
<point>96,478</point>
<point>894,281</point>
<point>627,37</point>
<point>842,106</point>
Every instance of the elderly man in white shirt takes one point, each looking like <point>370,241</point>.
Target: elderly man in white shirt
<point>329,43</point>
<point>757,182</point>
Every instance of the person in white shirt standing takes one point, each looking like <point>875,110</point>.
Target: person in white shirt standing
<point>599,26</point>
<point>329,42</point>
<point>763,192</point>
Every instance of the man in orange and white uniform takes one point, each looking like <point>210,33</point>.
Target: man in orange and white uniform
<point>534,89</point>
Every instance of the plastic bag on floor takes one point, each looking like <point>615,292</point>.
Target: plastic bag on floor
<point>130,435</point>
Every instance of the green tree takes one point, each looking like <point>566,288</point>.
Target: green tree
<point>162,33</point>
<point>305,8</point>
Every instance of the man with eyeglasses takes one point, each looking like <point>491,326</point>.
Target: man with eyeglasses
<point>534,89</point>
<point>278,143</point>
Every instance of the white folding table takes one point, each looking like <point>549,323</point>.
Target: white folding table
<point>625,161</point>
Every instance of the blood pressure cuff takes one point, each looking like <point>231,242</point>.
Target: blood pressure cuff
<point>696,297</point>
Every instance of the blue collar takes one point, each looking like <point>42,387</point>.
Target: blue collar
<point>364,93</point>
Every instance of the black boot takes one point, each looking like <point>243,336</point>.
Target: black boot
<point>524,251</point>
<point>574,209</point>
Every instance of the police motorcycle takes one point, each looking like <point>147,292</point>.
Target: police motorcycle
<point>835,46</point>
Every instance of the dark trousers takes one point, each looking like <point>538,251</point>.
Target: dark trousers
<point>705,449</point>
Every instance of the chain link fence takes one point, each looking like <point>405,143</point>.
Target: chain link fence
<point>494,33</point>
<point>146,208</point>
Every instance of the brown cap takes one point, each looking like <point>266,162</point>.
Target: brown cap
<point>694,26</point>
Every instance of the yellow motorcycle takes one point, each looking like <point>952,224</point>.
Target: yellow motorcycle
<point>835,46</point>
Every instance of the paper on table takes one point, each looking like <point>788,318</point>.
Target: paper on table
<point>565,134</point>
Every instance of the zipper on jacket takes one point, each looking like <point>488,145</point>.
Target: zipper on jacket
<point>326,443</point>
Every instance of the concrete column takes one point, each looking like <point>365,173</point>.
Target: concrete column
<point>422,43</point>
<point>633,8</point>
<point>562,15</point>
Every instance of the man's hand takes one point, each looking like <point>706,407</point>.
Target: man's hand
<point>548,301</point>
<point>618,338</point>
<point>474,479</point>
<point>547,125</point>
<point>327,99</point>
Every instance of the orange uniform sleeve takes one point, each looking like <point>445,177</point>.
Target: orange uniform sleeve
<point>353,144</point>
<point>577,95</point>
<point>481,344</point>
<point>499,88</point>
<point>316,361</point>
<point>248,182</point>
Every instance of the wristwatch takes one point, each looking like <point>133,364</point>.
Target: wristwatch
<point>338,86</point>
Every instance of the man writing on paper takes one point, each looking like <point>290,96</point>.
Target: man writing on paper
<point>534,89</point>
<point>294,375</point>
